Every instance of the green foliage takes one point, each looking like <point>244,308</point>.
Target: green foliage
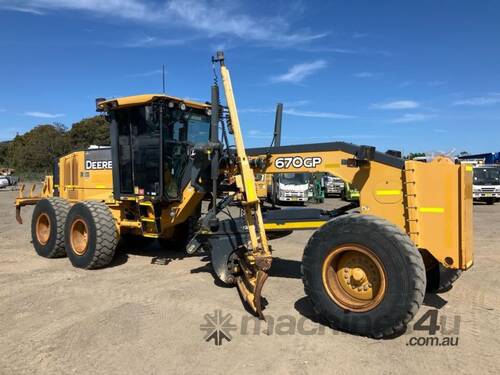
<point>89,131</point>
<point>35,151</point>
<point>4,146</point>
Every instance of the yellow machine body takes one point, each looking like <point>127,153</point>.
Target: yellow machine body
<point>261,185</point>
<point>430,202</point>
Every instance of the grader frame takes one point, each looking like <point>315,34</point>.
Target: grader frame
<point>428,207</point>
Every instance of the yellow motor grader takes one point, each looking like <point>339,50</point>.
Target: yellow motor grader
<point>367,264</point>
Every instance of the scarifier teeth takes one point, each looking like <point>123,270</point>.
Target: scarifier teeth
<point>261,279</point>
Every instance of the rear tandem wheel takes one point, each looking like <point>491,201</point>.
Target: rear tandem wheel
<point>47,227</point>
<point>90,234</point>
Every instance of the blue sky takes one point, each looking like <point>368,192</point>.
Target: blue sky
<point>409,75</point>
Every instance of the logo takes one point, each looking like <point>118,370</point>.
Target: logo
<point>429,325</point>
<point>99,164</point>
<point>297,162</point>
<point>431,329</point>
<point>218,327</point>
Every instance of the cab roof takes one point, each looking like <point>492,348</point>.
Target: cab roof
<point>137,100</point>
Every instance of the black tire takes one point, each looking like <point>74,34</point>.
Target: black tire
<point>490,201</point>
<point>56,210</point>
<point>102,235</point>
<point>440,279</point>
<point>402,262</point>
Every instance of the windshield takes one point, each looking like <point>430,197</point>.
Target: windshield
<point>486,176</point>
<point>198,128</point>
<point>294,179</point>
<point>259,177</point>
<point>193,128</point>
<point>181,131</point>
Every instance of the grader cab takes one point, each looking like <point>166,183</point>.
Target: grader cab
<point>367,264</point>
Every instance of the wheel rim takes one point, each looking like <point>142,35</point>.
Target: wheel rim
<point>43,229</point>
<point>79,237</point>
<point>354,277</point>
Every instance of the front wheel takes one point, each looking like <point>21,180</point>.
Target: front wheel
<point>363,275</point>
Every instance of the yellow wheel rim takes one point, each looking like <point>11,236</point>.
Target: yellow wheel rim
<point>354,277</point>
<point>43,229</point>
<point>79,237</point>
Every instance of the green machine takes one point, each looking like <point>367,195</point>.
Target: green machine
<point>349,193</point>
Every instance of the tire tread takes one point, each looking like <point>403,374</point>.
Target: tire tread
<point>350,223</point>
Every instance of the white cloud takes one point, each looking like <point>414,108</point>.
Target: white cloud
<point>22,9</point>
<point>398,104</point>
<point>367,75</point>
<point>259,134</point>
<point>152,41</point>
<point>411,117</point>
<point>44,114</point>
<point>290,109</point>
<point>360,35</point>
<point>209,17</point>
<point>299,72</point>
<point>315,114</point>
<point>479,101</point>
<point>147,74</point>
<point>435,83</point>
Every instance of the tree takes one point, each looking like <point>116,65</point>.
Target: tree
<point>4,146</point>
<point>89,131</point>
<point>37,150</point>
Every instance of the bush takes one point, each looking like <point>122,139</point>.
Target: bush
<point>35,152</point>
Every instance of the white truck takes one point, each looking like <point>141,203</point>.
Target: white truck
<point>333,185</point>
<point>486,183</point>
<point>292,187</point>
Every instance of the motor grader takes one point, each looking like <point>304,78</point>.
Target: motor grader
<point>367,264</point>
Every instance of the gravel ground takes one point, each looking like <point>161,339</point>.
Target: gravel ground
<point>137,317</point>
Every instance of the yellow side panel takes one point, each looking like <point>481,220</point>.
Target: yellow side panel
<point>77,183</point>
<point>467,222</point>
<point>440,207</point>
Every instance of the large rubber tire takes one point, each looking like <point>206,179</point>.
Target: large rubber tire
<point>490,201</point>
<point>402,262</point>
<point>440,279</point>
<point>56,211</point>
<point>102,236</point>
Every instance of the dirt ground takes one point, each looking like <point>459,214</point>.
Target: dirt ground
<point>136,317</point>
